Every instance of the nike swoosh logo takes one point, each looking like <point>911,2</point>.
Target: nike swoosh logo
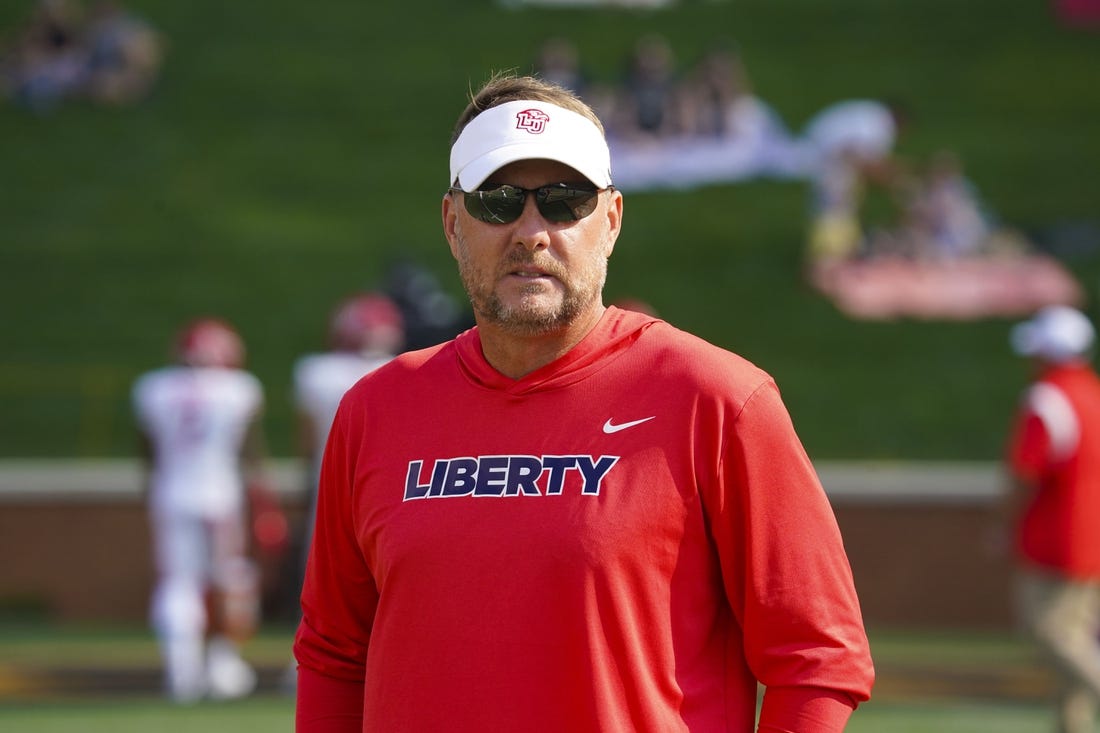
<point>609,428</point>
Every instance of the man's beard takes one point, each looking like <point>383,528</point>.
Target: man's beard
<point>531,316</point>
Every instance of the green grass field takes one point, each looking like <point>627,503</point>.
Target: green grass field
<point>268,714</point>
<point>292,150</point>
<point>275,715</point>
<point>928,682</point>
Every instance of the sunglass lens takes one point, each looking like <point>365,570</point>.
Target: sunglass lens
<point>565,203</point>
<point>496,206</point>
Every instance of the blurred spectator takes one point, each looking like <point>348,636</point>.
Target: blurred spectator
<point>945,257</point>
<point>648,102</point>
<point>559,62</point>
<point>1054,458</point>
<point>124,55</point>
<point>845,147</point>
<point>713,91</point>
<point>46,61</point>
<point>860,131</point>
<point>950,211</point>
<point>703,125</point>
<point>107,55</point>
<point>430,314</point>
<point>941,216</point>
<point>199,420</point>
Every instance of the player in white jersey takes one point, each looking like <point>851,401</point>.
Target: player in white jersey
<point>365,332</point>
<point>199,423</point>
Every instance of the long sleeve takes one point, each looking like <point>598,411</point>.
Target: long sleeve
<point>804,710</point>
<point>633,561</point>
<point>786,573</point>
<point>327,704</point>
<point>339,598</point>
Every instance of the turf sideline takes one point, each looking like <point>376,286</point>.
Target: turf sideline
<point>844,481</point>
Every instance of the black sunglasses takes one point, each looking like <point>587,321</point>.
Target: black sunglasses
<point>557,202</point>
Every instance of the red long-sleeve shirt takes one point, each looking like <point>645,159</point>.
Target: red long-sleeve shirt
<point>630,538</point>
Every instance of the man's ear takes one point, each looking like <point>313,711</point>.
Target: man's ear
<point>614,219</point>
<point>450,221</point>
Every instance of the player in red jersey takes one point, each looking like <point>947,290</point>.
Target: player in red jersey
<point>571,517</point>
<point>1054,458</point>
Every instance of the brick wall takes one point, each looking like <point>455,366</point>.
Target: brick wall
<point>75,541</point>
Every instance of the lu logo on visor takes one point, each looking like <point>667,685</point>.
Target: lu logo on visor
<point>532,120</point>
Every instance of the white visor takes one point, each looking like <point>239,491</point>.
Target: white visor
<point>527,130</point>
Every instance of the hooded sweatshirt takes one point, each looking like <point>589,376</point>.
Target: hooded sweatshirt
<point>630,538</point>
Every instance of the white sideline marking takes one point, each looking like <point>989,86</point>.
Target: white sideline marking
<point>108,479</point>
<point>844,481</point>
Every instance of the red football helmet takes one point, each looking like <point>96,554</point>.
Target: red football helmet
<point>209,342</point>
<point>369,322</point>
<point>636,304</point>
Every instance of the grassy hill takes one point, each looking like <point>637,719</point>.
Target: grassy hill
<point>291,150</point>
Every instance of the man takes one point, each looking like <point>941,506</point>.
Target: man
<point>571,517</point>
<point>199,424</point>
<point>1054,458</point>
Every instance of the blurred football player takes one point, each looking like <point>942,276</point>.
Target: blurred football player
<point>1054,458</point>
<point>365,331</point>
<point>199,421</point>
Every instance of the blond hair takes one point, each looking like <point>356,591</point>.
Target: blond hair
<point>505,87</point>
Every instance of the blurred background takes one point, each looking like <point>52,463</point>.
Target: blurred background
<point>286,156</point>
<point>258,162</point>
